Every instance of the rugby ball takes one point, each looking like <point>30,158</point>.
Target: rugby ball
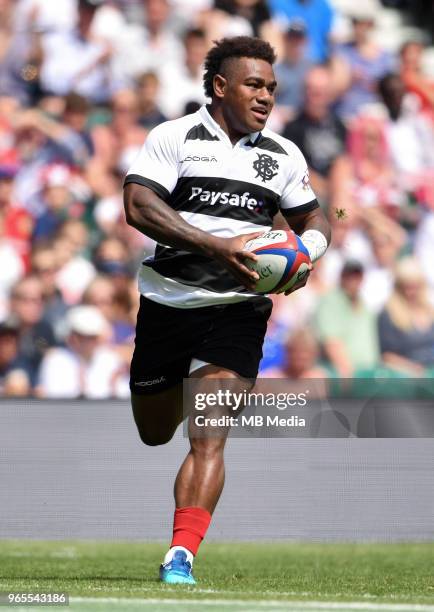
<point>283,260</point>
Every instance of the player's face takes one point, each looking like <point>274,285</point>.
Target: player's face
<point>249,94</point>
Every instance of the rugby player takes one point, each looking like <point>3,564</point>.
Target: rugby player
<point>201,187</point>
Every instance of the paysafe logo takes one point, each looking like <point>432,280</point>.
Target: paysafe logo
<point>225,197</point>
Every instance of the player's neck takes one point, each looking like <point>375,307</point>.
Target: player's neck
<point>216,112</point>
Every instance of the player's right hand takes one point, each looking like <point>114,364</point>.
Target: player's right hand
<point>230,252</point>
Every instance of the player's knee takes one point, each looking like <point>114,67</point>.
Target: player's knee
<point>208,448</point>
<point>155,438</point>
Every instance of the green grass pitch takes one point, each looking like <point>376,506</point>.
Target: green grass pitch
<point>235,576</point>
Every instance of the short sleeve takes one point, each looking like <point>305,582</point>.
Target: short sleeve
<point>157,164</point>
<point>297,195</point>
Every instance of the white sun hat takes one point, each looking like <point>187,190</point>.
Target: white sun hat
<point>86,321</point>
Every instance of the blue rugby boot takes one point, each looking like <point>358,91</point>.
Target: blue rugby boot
<point>177,570</point>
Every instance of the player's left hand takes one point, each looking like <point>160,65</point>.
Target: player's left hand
<point>299,284</point>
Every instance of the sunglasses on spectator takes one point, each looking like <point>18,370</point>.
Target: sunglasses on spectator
<point>22,297</point>
<point>46,270</point>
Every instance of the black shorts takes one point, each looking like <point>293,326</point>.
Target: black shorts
<point>168,338</point>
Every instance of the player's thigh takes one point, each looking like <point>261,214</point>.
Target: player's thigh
<point>157,415</point>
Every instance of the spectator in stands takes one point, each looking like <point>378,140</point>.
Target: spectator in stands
<point>71,246</point>
<point>301,358</point>
<point>345,327</point>
<point>20,56</point>
<point>388,239</point>
<point>86,367</point>
<point>100,293</point>
<point>410,138</point>
<point>291,72</point>
<point>289,315</point>
<point>317,131</point>
<point>37,146</point>
<point>57,201</point>
<point>406,325</point>
<point>75,117</point>
<point>113,258</point>
<point>45,267</point>
<point>16,223</point>
<point>68,132</point>
<point>76,61</point>
<point>117,143</point>
<point>413,76</point>
<point>365,175</point>
<point>350,241</point>
<point>116,307</point>
<point>150,114</point>
<point>184,83</point>
<point>424,246</point>
<point>357,65</point>
<point>111,255</point>
<point>12,268</point>
<point>154,45</point>
<point>218,23</point>
<point>15,371</point>
<point>36,333</point>
<point>45,17</point>
<point>318,17</point>
<point>257,14</point>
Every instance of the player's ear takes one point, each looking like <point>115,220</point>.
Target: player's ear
<point>219,85</point>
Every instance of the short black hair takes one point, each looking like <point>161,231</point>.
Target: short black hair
<point>194,33</point>
<point>227,48</point>
<point>384,83</point>
<point>74,103</point>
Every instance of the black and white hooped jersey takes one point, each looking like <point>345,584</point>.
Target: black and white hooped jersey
<point>220,188</point>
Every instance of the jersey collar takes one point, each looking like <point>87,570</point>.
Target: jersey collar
<point>216,130</point>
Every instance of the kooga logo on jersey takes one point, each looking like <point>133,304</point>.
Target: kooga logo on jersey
<point>224,197</point>
<point>196,158</point>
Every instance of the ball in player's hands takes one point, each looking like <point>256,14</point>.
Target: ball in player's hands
<point>283,260</point>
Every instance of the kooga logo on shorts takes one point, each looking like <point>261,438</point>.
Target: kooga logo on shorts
<point>224,197</point>
<point>149,383</point>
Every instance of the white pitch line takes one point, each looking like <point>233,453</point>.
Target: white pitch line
<point>276,603</point>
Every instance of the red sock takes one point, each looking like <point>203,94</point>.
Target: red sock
<point>189,527</point>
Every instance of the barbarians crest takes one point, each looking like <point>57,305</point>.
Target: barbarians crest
<point>306,181</point>
<point>266,167</point>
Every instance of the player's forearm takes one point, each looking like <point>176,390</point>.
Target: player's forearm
<point>150,215</point>
<point>315,220</point>
<point>314,230</point>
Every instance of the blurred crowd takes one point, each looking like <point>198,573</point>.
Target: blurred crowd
<point>82,82</point>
